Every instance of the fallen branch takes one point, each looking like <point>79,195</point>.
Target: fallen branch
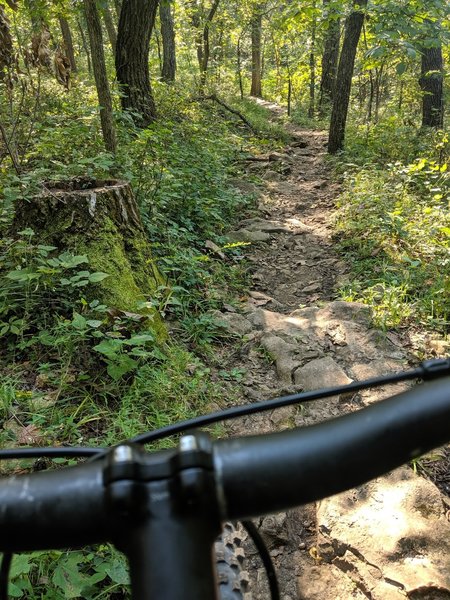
<point>223,104</point>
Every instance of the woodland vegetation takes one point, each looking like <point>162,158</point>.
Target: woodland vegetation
<point>97,316</point>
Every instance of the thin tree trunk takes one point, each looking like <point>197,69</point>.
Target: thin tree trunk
<point>118,7</point>
<point>85,46</point>
<point>312,70</point>
<point>239,68</point>
<point>329,59</point>
<point>169,65</point>
<point>202,39</point>
<point>110,27</point>
<point>431,83</point>
<point>137,19</point>
<point>341,101</point>
<point>256,89</point>
<point>101,79</point>
<point>68,42</point>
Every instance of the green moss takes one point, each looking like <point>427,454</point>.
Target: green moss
<point>103,224</point>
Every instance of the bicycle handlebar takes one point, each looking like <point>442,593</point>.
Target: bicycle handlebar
<point>174,499</point>
<point>254,475</point>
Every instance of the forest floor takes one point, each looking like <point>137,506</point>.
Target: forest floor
<point>377,541</point>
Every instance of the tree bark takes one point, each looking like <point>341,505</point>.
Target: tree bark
<point>431,84</point>
<point>329,59</point>
<point>341,101</point>
<point>256,89</point>
<point>68,42</point>
<point>109,25</point>
<point>169,63</point>
<point>101,79</point>
<point>202,25</point>
<point>137,18</point>
<point>99,219</point>
<point>312,70</point>
<point>6,46</point>
<point>85,46</point>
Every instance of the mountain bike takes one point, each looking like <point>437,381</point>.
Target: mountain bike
<point>165,509</point>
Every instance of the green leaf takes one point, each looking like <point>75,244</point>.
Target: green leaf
<point>96,277</point>
<point>94,323</point>
<point>401,68</point>
<point>21,564</point>
<point>108,347</point>
<point>117,571</point>
<point>139,340</point>
<point>125,365</point>
<point>68,577</point>
<point>78,321</point>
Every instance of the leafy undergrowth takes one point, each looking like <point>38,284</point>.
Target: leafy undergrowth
<point>77,372</point>
<point>394,224</point>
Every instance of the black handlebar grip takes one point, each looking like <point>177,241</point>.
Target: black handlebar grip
<point>54,509</point>
<point>261,474</point>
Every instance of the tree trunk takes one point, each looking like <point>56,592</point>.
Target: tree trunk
<point>101,79</point>
<point>118,7</point>
<point>202,25</point>
<point>6,47</point>
<point>431,84</point>
<point>110,27</point>
<point>312,71</point>
<point>341,101</point>
<point>329,59</point>
<point>85,46</point>
<point>68,42</point>
<point>99,219</point>
<point>137,18</point>
<point>256,53</point>
<point>169,65</point>
<point>239,68</point>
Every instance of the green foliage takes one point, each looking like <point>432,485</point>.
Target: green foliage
<point>72,575</point>
<point>394,225</point>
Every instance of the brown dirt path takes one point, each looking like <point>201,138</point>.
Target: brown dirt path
<point>297,336</point>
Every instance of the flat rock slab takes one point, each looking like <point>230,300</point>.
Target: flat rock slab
<point>390,536</point>
<point>320,373</point>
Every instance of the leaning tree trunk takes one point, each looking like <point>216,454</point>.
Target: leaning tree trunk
<point>169,63</point>
<point>329,60</point>
<point>137,18</point>
<point>68,42</point>
<point>101,220</point>
<point>256,89</point>
<point>431,83</point>
<point>110,27</point>
<point>341,101</point>
<point>101,78</point>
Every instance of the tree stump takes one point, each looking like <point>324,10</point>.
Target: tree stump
<point>99,219</point>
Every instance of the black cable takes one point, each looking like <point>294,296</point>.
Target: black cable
<point>49,452</point>
<point>272,579</point>
<point>4,575</point>
<point>249,409</point>
<point>427,370</point>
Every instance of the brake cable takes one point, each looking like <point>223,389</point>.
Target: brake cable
<point>427,370</point>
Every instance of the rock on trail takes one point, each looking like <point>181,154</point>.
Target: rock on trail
<point>388,539</point>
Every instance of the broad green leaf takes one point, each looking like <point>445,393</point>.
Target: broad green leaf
<point>96,277</point>
<point>117,369</point>
<point>139,340</point>
<point>78,321</point>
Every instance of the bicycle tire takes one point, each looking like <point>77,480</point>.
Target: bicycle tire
<point>233,579</point>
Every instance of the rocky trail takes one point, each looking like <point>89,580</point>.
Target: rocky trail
<point>386,540</point>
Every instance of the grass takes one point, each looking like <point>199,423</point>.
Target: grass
<point>393,226</point>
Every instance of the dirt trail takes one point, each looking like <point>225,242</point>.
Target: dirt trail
<point>388,539</point>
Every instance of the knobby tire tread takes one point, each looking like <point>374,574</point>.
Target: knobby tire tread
<point>233,579</point>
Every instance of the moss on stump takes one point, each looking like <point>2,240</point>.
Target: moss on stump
<point>99,219</point>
